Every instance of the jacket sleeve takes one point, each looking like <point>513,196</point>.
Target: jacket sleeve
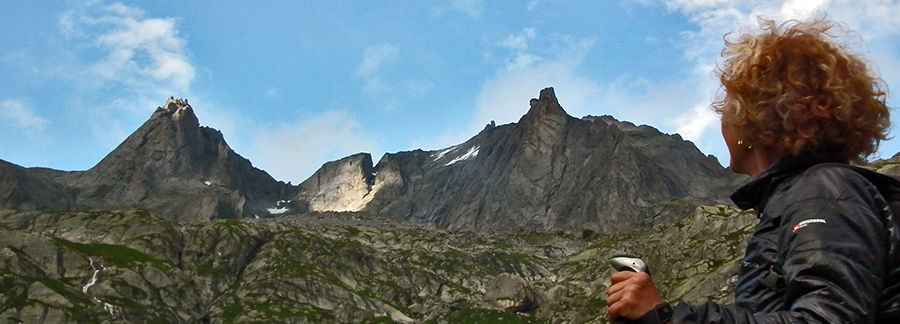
<point>833,245</point>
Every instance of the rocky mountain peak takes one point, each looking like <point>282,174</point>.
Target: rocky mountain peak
<point>549,170</point>
<point>174,167</point>
<point>545,105</point>
<point>178,110</point>
<point>545,123</point>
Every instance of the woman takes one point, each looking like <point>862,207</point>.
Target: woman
<point>792,101</point>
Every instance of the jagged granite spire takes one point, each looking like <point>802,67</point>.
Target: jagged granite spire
<point>545,105</point>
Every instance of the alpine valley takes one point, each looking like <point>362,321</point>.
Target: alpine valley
<point>515,225</point>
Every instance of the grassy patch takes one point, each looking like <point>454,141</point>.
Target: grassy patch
<point>118,255</point>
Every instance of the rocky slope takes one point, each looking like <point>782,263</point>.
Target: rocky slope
<point>549,170</point>
<point>170,165</point>
<point>32,189</point>
<point>134,267</point>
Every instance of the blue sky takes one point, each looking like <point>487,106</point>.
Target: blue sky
<point>294,84</point>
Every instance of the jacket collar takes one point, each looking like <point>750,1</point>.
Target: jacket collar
<point>756,193</point>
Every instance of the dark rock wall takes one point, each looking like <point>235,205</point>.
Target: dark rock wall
<point>22,189</point>
<point>550,170</point>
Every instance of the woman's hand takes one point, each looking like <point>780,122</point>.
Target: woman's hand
<point>631,295</point>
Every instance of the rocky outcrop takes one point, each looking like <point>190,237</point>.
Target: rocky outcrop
<point>889,166</point>
<point>549,170</point>
<point>341,185</point>
<point>511,293</point>
<point>170,165</point>
<point>134,267</point>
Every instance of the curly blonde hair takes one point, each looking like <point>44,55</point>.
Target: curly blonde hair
<point>790,89</point>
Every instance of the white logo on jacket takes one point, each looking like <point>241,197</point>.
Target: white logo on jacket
<point>807,222</point>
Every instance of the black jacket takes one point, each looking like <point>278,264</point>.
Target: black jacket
<point>819,254</point>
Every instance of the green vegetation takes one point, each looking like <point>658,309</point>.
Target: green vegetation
<point>118,255</point>
<point>378,320</point>
<point>478,316</point>
<point>273,271</point>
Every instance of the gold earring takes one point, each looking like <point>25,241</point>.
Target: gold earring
<point>740,144</point>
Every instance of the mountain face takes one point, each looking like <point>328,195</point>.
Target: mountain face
<point>549,170</point>
<point>337,186</point>
<point>32,189</point>
<point>170,166</point>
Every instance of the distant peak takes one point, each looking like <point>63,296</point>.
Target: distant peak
<point>546,104</point>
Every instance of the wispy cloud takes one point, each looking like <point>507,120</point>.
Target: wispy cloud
<point>504,97</point>
<point>18,115</point>
<point>292,152</point>
<point>136,51</point>
<point>518,42</point>
<point>115,46</point>
<point>473,8</point>
<point>374,58</point>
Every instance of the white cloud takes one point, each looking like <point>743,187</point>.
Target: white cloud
<point>375,56</point>
<point>18,114</point>
<point>375,85</point>
<point>124,64</point>
<point>293,152</point>
<point>473,8</point>
<point>504,98</point>
<point>800,8</point>
<point>137,51</point>
<point>694,123</point>
<point>518,42</point>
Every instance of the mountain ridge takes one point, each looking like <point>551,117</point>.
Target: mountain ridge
<point>548,170</point>
<point>169,165</point>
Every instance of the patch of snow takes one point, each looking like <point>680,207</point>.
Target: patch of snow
<point>207,182</point>
<point>281,207</point>
<point>473,152</point>
<point>439,155</point>
<point>255,216</point>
